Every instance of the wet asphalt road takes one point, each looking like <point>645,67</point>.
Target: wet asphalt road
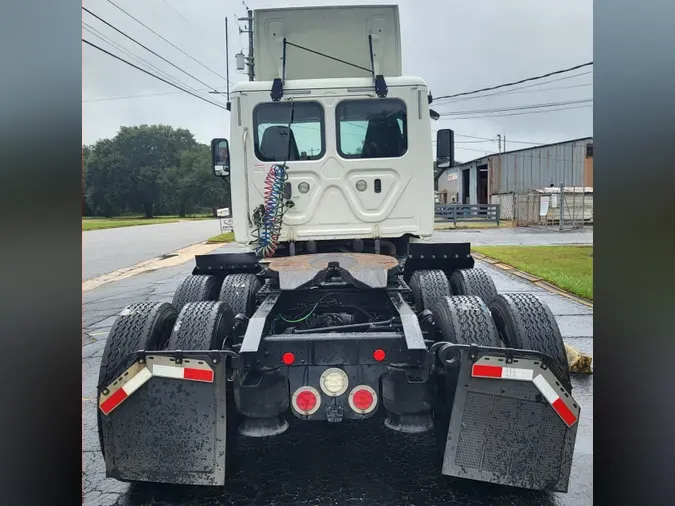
<point>314,464</point>
<point>107,250</point>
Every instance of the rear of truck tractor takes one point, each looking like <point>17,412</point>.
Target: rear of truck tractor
<point>329,337</point>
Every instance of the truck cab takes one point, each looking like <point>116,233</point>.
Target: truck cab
<point>357,164</point>
<point>354,134</point>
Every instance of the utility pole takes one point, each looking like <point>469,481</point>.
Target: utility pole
<point>499,142</point>
<point>504,143</point>
<point>249,30</point>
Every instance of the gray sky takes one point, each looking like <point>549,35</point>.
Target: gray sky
<point>455,45</point>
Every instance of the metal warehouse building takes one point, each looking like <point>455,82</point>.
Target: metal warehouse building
<point>500,177</point>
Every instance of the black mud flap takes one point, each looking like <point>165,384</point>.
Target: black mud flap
<point>511,423</point>
<point>165,422</point>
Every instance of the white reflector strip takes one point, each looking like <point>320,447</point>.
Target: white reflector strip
<point>485,368</point>
<point>167,371</point>
<point>138,375</point>
<point>499,372</point>
<point>545,389</point>
<point>137,381</point>
<point>517,374</point>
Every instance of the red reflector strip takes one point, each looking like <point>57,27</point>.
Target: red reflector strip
<point>133,383</point>
<point>497,371</point>
<point>198,375</point>
<point>137,375</point>
<point>486,371</point>
<point>186,373</point>
<point>113,401</point>
<point>482,370</point>
<point>564,412</point>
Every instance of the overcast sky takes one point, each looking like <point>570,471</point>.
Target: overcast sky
<point>455,45</point>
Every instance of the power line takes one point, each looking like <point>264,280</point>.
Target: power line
<point>168,42</point>
<point>517,90</point>
<point>493,139</point>
<point>109,99</point>
<point>514,82</point>
<point>523,113</point>
<point>517,108</point>
<point>145,47</point>
<point>121,48</point>
<point>153,75</point>
<point>189,23</point>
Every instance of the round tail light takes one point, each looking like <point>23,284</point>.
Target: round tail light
<point>306,400</point>
<point>362,399</point>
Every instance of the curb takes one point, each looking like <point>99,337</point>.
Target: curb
<point>531,278</point>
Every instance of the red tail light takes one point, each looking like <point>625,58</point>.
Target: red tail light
<point>379,355</point>
<point>306,400</point>
<point>363,399</point>
<point>288,358</point>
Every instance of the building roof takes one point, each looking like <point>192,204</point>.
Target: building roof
<point>522,149</point>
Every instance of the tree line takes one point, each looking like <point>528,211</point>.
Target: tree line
<point>150,170</point>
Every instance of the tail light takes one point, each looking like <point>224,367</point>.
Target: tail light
<point>362,399</point>
<point>306,400</point>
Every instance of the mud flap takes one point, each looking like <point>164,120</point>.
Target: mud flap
<point>511,423</point>
<point>170,424</point>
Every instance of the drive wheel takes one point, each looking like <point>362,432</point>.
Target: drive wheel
<point>525,322</point>
<point>473,282</point>
<point>238,291</point>
<point>460,319</point>
<point>196,288</point>
<point>206,325</point>
<point>428,287</point>
<point>143,326</point>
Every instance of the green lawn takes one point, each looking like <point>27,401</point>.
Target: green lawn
<point>567,267</point>
<point>226,237</point>
<point>97,223</point>
<point>114,223</point>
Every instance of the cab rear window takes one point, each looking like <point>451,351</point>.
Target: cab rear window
<point>371,128</point>
<point>273,140</point>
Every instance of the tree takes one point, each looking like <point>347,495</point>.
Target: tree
<point>192,184</point>
<point>128,172</point>
<point>149,150</point>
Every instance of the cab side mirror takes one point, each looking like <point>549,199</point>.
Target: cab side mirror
<point>445,148</point>
<point>220,157</point>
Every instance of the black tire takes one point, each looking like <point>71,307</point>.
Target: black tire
<point>473,282</point>
<point>465,319</point>
<point>195,289</point>
<point>238,291</point>
<point>525,322</point>
<point>205,326</point>
<point>461,319</point>
<point>428,287</point>
<point>143,326</point>
<point>201,326</point>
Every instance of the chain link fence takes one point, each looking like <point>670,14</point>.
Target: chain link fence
<point>545,207</point>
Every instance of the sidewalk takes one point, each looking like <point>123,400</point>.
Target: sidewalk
<point>516,236</point>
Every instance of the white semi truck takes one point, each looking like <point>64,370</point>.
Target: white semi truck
<point>340,307</point>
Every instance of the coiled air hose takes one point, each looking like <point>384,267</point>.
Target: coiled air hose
<point>269,216</point>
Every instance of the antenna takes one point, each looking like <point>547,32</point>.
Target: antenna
<point>227,61</point>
